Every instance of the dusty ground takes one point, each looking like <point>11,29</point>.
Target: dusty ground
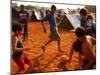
<point>48,61</point>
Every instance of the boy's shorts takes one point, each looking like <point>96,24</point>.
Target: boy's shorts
<point>54,36</point>
<point>22,61</point>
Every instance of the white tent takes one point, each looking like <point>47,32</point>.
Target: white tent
<point>74,19</point>
<point>40,14</point>
<point>70,21</point>
<point>37,13</point>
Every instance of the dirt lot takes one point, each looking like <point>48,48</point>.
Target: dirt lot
<point>48,61</point>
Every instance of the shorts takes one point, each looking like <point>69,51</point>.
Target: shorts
<point>54,36</point>
<point>22,61</point>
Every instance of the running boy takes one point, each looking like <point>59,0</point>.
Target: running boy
<point>18,55</point>
<point>84,46</point>
<point>54,35</point>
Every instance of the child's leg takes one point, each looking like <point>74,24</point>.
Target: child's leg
<point>26,30</point>
<point>81,58</point>
<point>58,43</point>
<point>25,34</point>
<point>48,42</point>
<point>90,58</point>
<point>20,63</point>
<point>27,61</point>
<point>90,64</point>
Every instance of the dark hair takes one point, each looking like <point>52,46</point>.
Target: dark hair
<point>16,27</point>
<point>83,11</point>
<point>80,32</point>
<point>53,7</point>
<point>22,6</point>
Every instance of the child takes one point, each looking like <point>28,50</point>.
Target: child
<point>54,35</point>
<point>23,19</point>
<point>18,50</point>
<point>33,16</point>
<point>91,26</point>
<point>84,46</point>
<point>83,17</point>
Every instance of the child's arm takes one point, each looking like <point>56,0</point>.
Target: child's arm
<point>44,19</point>
<point>70,55</point>
<point>27,16</point>
<point>60,19</point>
<point>14,46</point>
<point>71,51</point>
<point>93,41</point>
<point>43,27</point>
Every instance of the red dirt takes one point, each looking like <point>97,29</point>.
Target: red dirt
<point>48,62</point>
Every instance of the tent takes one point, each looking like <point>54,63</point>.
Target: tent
<point>38,15</point>
<point>70,21</point>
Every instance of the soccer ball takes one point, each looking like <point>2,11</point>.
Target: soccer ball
<point>64,58</point>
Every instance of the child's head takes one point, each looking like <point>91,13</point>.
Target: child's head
<point>83,12</point>
<point>22,7</point>
<point>53,8</point>
<point>33,12</point>
<point>17,29</point>
<point>80,33</point>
